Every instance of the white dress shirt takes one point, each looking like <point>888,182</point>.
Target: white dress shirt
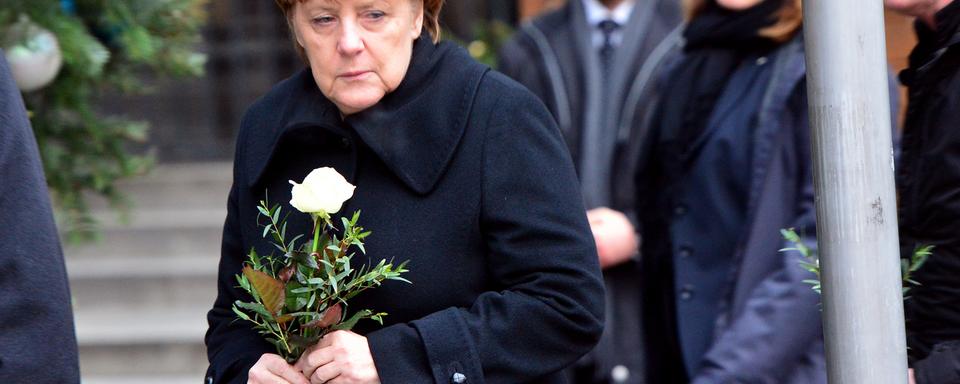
<point>597,12</point>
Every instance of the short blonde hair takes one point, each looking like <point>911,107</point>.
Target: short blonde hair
<point>789,18</point>
<point>431,18</point>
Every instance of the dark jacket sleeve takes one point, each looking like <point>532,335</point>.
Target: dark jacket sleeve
<point>37,342</point>
<point>781,317</point>
<point>545,308</point>
<point>232,347</point>
<point>942,365</point>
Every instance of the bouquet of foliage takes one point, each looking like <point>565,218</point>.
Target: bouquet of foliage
<point>301,294</point>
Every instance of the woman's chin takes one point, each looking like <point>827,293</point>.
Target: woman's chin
<point>350,104</point>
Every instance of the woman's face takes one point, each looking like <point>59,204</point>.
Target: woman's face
<point>738,5</point>
<point>359,50</point>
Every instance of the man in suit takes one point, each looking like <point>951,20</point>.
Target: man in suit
<point>37,339</point>
<point>593,63</point>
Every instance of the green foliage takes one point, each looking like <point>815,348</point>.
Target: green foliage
<point>811,261</point>
<point>490,36</point>
<point>301,295</point>
<point>106,44</point>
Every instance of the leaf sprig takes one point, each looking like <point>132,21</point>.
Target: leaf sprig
<point>811,261</point>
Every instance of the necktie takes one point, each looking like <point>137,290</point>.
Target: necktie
<point>608,27</point>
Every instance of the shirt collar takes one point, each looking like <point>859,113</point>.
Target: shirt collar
<point>596,12</point>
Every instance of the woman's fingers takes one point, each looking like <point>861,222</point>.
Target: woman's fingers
<point>325,373</point>
<point>271,369</point>
<point>313,358</point>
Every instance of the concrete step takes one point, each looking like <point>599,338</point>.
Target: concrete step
<point>143,283</point>
<point>117,325</point>
<point>153,360</point>
<point>151,244</point>
<point>201,185</point>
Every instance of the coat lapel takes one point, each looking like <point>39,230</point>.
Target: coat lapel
<point>415,129</point>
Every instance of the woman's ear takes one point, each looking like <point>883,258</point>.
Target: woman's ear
<point>417,23</point>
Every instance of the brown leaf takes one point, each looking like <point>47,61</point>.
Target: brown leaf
<point>271,290</point>
<point>330,317</point>
<point>284,319</point>
<point>287,273</point>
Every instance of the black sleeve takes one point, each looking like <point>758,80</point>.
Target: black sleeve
<point>37,341</point>
<point>942,365</point>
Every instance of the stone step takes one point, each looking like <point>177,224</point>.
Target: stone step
<point>136,284</point>
<point>201,185</point>
<point>118,325</point>
<point>151,244</point>
<point>144,360</point>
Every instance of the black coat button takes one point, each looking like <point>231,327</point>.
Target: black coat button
<point>344,143</point>
<point>209,380</point>
<point>458,378</point>
<point>685,252</point>
<point>679,210</point>
<point>686,293</point>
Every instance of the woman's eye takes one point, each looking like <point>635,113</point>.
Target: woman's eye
<point>375,15</point>
<point>323,20</point>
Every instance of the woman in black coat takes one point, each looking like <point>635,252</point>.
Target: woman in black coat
<point>458,170</point>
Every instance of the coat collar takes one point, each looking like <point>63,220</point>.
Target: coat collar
<point>414,130</point>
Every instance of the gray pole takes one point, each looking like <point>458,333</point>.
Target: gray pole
<point>856,203</point>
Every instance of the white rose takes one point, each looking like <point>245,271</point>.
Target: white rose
<point>322,193</point>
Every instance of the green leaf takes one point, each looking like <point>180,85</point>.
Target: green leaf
<point>256,308</point>
<point>352,321</point>
<point>241,314</point>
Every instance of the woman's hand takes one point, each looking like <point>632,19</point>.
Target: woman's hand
<point>274,369</point>
<point>341,357</point>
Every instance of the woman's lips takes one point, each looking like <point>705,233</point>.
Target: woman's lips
<point>354,75</point>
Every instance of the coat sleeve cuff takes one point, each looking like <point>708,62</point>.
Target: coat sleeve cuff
<point>434,349</point>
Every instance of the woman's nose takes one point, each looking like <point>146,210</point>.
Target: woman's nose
<point>350,41</point>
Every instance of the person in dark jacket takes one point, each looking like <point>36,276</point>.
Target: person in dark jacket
<point>725,166</point>
<point>37,338</point>
<point>457,168</point>
<point>592,62</point>
<point>928,182</point>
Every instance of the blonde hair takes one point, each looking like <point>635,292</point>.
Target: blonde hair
<point>789,18</point>
<point>431,18</point>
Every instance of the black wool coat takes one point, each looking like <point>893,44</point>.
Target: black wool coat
<point>928,182</point>
<point>462,172</point>
<point>37,338</point>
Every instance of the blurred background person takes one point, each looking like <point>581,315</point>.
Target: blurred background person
<point>591,62</point>
<point>37,340</point>
<point>726,164</point>
<point>928,181</point>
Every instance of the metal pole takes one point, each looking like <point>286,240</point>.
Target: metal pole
<point>856,203</point>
